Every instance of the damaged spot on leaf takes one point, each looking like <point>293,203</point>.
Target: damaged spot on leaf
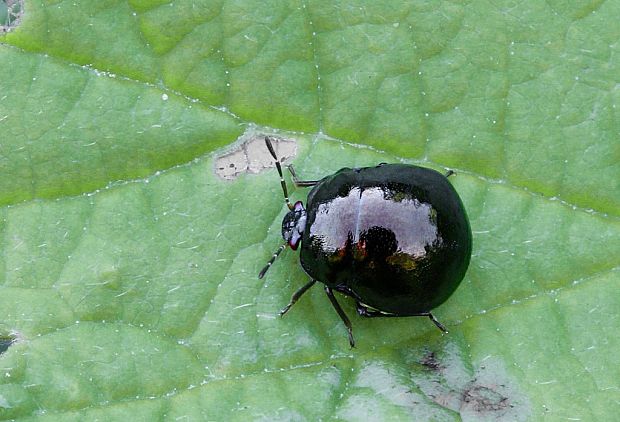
<point>251,156</point>
<point>6,341</point>
<point>483,392</point>
<point>11,12</point>
<point>482,399</point>
<point>429,360</point>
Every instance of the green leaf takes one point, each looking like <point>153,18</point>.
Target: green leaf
<point>128,268</point>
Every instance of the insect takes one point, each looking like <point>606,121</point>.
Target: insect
<point>394,237</point>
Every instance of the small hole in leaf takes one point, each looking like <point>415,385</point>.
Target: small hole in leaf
<point>5,343</point>
<point>11,12</point>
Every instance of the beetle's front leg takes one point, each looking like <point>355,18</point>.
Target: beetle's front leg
<point>297,295</point>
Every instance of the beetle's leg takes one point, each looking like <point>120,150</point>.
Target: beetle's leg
<point>365,311</point>
<point>297,295</point>
<point>300,183</point>
<point>437,323</point>
<point>279,167</point>
<point>372,313</point>
<point>341,314</point>
<point>432,318</point>
<point>449,173</point>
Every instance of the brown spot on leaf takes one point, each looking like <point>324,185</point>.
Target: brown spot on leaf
<point>485,392</point>
<point>6,341</point>
<point>482,398</point>
<point>429,360</point>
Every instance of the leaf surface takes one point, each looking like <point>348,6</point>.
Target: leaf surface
<point>128,268</point>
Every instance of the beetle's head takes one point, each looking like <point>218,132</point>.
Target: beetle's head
<point>294,224</point>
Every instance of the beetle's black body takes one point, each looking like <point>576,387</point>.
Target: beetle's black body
<point>395,237</point>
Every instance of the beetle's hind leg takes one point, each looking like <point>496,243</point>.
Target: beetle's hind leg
<point>297,295</point>
<point>341,314</point>
<point>300,183</point>
<point>367,312</point>
<point>436,322</point>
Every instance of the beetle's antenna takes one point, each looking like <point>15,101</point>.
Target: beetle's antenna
<point>273,258</point>
<point>279,167</point>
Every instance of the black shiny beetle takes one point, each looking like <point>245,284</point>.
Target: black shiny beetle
<point>394,237</point>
